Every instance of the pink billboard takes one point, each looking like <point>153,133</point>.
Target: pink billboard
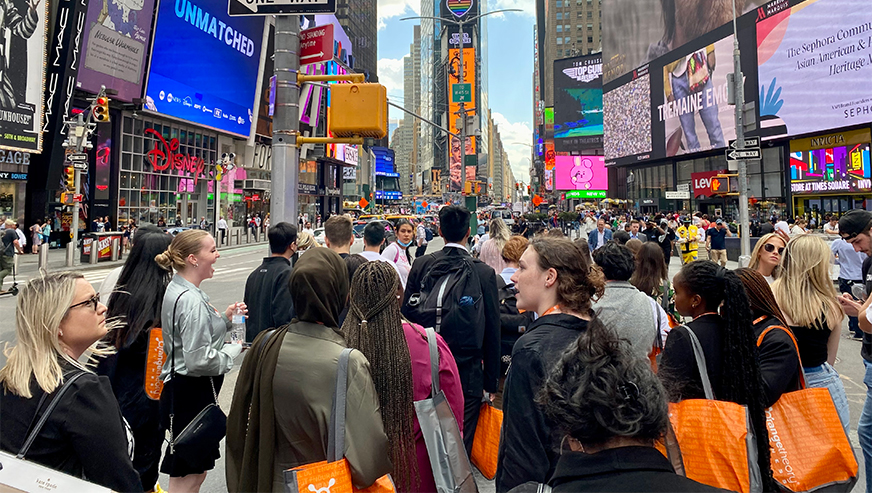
<point>581,173</point>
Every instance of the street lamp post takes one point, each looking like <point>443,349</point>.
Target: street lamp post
<point>739,91</point>
<point>463,110</point>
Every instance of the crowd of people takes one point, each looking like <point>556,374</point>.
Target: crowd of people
<point>579,342</point>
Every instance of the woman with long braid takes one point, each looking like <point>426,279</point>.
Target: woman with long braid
<point>400,361</point>
<point>715,298</point>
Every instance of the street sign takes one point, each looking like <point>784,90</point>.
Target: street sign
<point>77,197</point>
<point>461,93</point>
<point>77,157</point>
<point>678,195</point>
<point>537,200</point>
<point>749,142</point>
<point>271,7</point>
<point>733,154</point>
<point>82,166</point>
<point>684,187</point>
<point>316,44</point>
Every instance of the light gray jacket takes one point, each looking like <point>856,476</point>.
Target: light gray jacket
<point>628,310</point>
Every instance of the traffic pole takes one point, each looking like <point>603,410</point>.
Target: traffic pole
<point>286,122</point>
<point>462,119</point>
<point>739,85</point>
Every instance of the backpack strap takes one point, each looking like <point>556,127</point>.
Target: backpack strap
<point>699,356</point>
<point>769,329</point>
<point>434,362</point>
<point>336,430</point>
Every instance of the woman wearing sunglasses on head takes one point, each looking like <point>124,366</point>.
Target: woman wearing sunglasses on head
<point>767,255</point>
<point>58,318</point>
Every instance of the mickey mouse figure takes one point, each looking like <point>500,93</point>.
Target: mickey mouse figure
<point>581,173</point>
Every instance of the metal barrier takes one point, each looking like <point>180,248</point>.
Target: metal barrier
<point>115,249</point>
<point>43,256</point>
<point>95,252</point>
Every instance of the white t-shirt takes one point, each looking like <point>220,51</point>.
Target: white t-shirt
<point>831,229</point>
<point>395,254</point>
<point>373,257</point>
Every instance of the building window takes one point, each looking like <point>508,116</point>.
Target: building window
<point>560,29</point>
<point>579,14</point>
<point>559,16</point>
<point>590,39</point>
<point>578,27</point>
<point>590,27</point>
<point>559,41</point>
<point>559,53</point>
<point>567,41</point>
<point>589,14</point>
<point>559,3</point>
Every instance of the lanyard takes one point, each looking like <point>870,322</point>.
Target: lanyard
<point>555,307</point>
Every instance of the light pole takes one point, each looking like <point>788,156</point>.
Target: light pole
<point>463,129</point>
<point>739,90</point>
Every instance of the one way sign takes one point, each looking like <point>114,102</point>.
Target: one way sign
<point>749,142</point>
<point>275,7</point>
<point>733,154</point>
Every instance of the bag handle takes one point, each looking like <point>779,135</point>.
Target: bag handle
<point>336,429</point>
<point>802,384</point>
<point>699,356</point>
<point>434,362</point>
<point>51,405</point>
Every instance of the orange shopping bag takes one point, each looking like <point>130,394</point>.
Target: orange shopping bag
<point>486,444</point>
<point>809,447</point>
<point>715,438</point>
<point>334,474</point>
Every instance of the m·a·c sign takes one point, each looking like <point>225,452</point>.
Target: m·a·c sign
<point>279,7</point>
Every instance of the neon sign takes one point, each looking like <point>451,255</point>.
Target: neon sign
<point>164,157</point>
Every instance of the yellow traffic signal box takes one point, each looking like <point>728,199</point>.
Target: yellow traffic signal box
<point>359,110</point>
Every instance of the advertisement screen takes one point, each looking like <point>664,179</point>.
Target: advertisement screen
<point>695,113</point>
<point>581,173</point>
<point>454,113</point>
<point>636,32</point>
<point>23,55</point>
<point>815,66</point>
<point>204,65</point>
<point>837,169</point>
<point>578,103</point>
<point>627,129</point>
<point>115,48</point>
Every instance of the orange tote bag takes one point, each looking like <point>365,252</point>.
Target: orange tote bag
<point>808,444</point>
<point>334,474</point>
<point>486,444</point>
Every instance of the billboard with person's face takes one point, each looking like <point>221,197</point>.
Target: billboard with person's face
<point>814,65</point>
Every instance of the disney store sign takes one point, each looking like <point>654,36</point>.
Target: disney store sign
<point>165,156</point>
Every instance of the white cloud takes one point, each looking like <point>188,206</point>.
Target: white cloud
<point>395,8</point>
<point>516,137</point>
<point>390,75</point>
<point>528,7</point>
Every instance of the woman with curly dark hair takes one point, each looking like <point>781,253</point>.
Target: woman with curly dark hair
<point>715,299</point>
<point>556,281</point>
<point>610,409</point>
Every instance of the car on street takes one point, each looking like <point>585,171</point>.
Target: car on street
<point>319,235</point>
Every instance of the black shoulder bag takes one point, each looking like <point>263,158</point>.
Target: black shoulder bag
<point>208,427</point>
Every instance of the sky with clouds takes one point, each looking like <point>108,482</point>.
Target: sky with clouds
<point>510,68</point>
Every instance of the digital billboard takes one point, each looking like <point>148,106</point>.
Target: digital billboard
<point>454,113</point>
<point>578,103</point>
<point>814,65</point>
<point>204,65</point>
<point>694,113</point>
<point>627,126</point>
<point>831,163</point>
<point>581,173</point>
<point>23,75</point>
<point>116,45</point>
<point>636,32</point>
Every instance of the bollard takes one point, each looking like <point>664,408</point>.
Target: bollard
<point>95,250</point>
<point>71,254</point>
<point>43,256</point>
<point>116,249</point>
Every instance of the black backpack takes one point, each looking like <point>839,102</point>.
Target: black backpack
<point>450,300</point>
<point>428,234</point>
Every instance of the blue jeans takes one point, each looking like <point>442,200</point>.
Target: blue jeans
<point>826,377</point>
<point>709,115</point>
<point>864,427</point>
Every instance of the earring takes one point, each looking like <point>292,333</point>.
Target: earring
<point>60,333</point>
<point>196,265</point>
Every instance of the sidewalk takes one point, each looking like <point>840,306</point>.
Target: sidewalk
<point>28,263</point>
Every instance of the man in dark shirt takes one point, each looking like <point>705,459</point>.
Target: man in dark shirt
<point>716,243</point>
<point>267,290</point>
<point>662,235</point>
<point>766,228</point>
<point>10,246</point>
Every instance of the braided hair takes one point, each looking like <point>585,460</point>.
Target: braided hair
<point>374,327</point>
<point>741,380</point>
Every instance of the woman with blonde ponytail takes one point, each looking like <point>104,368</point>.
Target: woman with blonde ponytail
<point>58,318</point>
<point>193,334</point>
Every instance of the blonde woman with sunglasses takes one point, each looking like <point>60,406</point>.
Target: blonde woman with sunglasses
<point>767,255</point>
<point>58,318</point>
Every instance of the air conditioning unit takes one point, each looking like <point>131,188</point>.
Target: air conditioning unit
<point>256,184</point>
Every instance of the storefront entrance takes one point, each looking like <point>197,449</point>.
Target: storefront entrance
<point>819,207</point>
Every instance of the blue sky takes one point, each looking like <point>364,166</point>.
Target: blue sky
<point>510,68</point>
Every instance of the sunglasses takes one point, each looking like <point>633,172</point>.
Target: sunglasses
<point>93,301</point>
<point>769,247</point>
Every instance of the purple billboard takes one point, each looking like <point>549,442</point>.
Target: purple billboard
<point>116,46</point>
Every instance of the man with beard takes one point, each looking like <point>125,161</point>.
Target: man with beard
<point>663,235</point>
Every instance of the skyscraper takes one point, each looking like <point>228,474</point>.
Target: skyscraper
<point>361,25</point>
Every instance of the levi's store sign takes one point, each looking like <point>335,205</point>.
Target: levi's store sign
<point>164,156</point>
<point>707,184</point>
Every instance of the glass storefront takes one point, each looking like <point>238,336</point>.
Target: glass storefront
<point>164,172</point>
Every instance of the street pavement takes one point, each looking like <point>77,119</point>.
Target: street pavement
<point>228,284</point>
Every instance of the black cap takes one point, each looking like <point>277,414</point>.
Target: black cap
<point>854,222</point>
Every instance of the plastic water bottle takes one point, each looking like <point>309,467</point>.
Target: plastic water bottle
<point>237,329</point>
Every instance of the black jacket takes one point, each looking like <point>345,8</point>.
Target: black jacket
<point>513,323</point>
<point>529,448</point>
<point>268,296</point>
<point>779,362</point>
<point>468,364</point>
<point>84,437</point>
<point>620,469</point>
<point>678,370</point>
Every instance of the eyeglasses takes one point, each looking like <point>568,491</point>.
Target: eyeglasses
<point>769,247</point>
<point>93,301</point>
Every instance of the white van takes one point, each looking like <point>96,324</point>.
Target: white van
<point>503,213</point>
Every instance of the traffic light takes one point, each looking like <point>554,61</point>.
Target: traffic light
<point>70,174</point>
<point>358,110</point>
<point>528,190</point>
<point>101,109</point>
